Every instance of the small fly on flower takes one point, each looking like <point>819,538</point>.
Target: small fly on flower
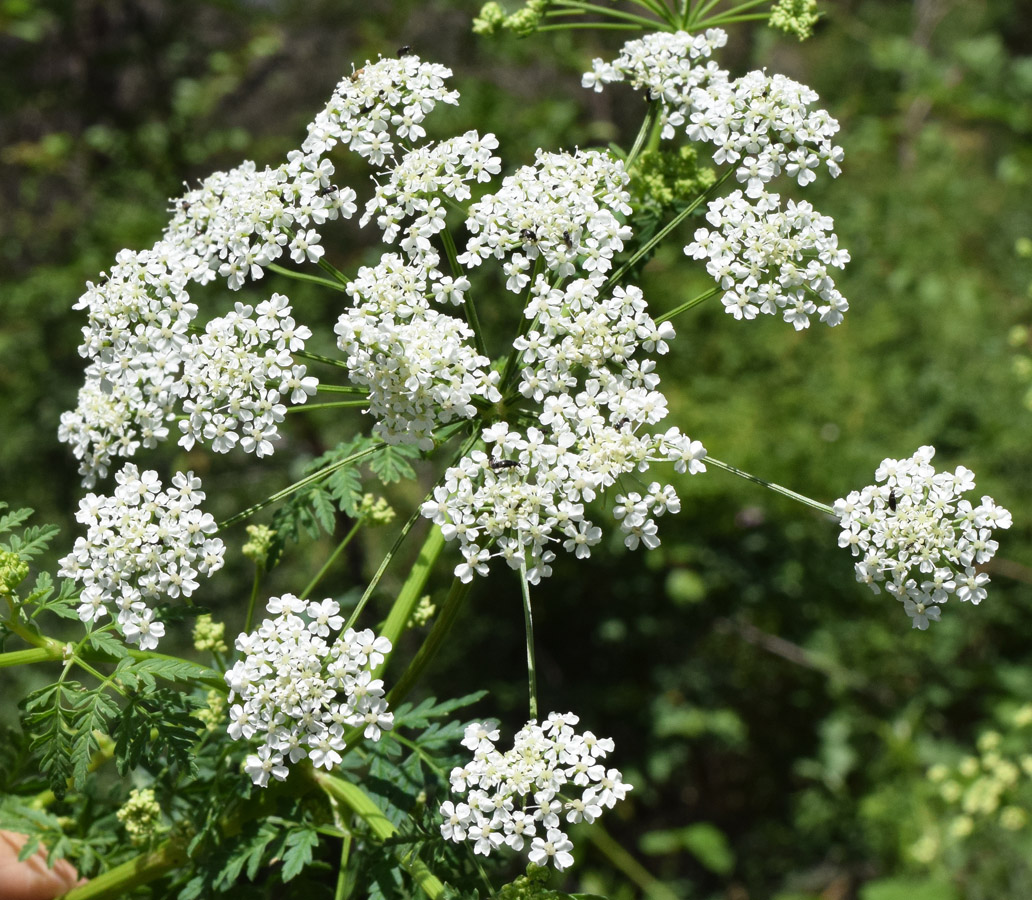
<point>497,464</point>
<point>892,499</point>
<point>567,240</point>
<point>405,50</point>
<point>528,235</point>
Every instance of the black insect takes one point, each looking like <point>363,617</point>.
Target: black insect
<point>528,235</point>
<point>892,499</point>
<point>497,464</point>
<point>404,51</point>
<point>567,240</point>
<point>621,423</point>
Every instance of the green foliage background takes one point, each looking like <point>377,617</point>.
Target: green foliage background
<point>776,718</point>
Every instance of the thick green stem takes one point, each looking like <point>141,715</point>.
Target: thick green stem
<point>363,806</point>
<point>815,504</point>
<point>27,657</point>
<point>253,601</point>
<point>308,407</point>
<point>121,880</point>
<point>412,589</point>
<point>442,627</point>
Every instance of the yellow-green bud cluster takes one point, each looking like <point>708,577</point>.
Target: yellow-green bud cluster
<point>523,22</point>
<point>209,635</point>
<point>213,714</point>
<point>794,17</point>
<point>13,570</point>
<point>423,612</point>
<point>663,177</point>
<point>532,886</point>
<point>981,788</point>
<point>375,510</point>
<point>257,548</point>
<point>140,815</point>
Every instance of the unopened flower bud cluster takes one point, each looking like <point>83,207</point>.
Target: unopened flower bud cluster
<point>142,544</point>
<point>525,798</point>
<point>140,816</point>
<point>297,690</point>
<point>918,538</point>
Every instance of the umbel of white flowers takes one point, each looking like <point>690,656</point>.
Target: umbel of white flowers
<point>918,538</point>
<point>143,543</point>
<point>525,797</point>
<point>300,691</point>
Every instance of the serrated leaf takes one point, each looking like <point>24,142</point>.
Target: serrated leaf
<point>419,716</point>
<point>298,853</point>
<point>173,669</point>
<point>345,487</point>
<point>156,725</point>
<point>14,518</point>
<point>392,463</point>
<point>93,715</point>
<point>323,510</point>
<point>33,541</point>
<point>106,642</point>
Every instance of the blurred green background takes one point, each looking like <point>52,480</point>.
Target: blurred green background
<point>778,720</point>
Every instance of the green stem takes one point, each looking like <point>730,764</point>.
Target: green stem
<point>329,360</point>
<point>27,657</point>
<point>333,558</point>
<point>807,501</point>
<point>121,880</point>
<point>472,319</point>
<point>249,620</point>
<point>660,235</point>
<point>297,485</point>
<point>363,806</point>
<point>341,389</point>
<point>337,275</point>
<point>640,138</point>
<point>528,620</point>
<point>412,589</point>
<point>342,872</point>
<point>308,407</point>
<point>302,276</point>
<point>580,8</point>
<point>651,886</point>
<point>684,307</point>
<point>434,641</point>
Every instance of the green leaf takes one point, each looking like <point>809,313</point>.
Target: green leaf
<point>345,487</point>
<point>419,716</point>
<point>298,852</point>
<point>13,519</point>
<point>155,726</point>
<point>392,463</point>
<point>33,541</point>
<point>107,643</point>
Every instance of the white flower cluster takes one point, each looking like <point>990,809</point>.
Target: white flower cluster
<point>762,122</point>
<point>521,797</point>
<point>299,690</point>
<point>143,543</point>
<point>414,184</point>
<point>918,538</point>
<point>240,221</point>
<point>562,210</point>
<point>529,494</point>
<point>766,258</point>
<point>418,364</point>
<point>231,227</point>
<point>237,372</point>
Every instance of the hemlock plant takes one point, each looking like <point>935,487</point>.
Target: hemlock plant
<point>532,444</point>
